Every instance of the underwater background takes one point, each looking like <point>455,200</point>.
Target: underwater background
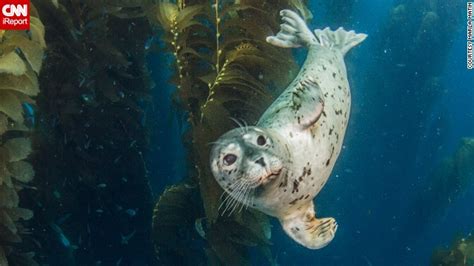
<point>107,109</point>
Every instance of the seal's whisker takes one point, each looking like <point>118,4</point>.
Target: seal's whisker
<point>222,195</point>
<point>235,205</point>
<point>244,196</point>
<point>246,125</point>
<point>215,142</point>
<point>238,198</point>
<point>234,196</point>
<point>227,202</point>
<point>241,194</point>
<point>239,124</point>
<point>250,198</point>
<point>228,207</point>
<point>229,198</point>
<point>231,207</point>
<point>223,199</point>
<point>249,193</point>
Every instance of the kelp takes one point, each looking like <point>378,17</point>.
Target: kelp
<point>448,181</point>
<point>451,178</point>
<point>93,200</point>
<point>21,56</point>
<point>461,253</point>
<point>224,69</point>
<point>174,226</point>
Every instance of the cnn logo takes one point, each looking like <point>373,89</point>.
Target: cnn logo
<point>15,10</point>
<point>15,15</point>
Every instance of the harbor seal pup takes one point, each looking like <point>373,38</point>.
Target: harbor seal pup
<point>281,164</point>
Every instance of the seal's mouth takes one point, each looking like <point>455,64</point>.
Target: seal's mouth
<point>269,177</point>
<point>275,174</point>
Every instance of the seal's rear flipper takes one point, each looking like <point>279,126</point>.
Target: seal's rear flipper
<point>339,39</point>
<point>305,229</point>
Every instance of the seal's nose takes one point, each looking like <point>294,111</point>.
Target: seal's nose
<point>261,161</point>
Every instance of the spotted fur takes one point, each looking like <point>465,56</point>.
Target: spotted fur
<point>306,124</point>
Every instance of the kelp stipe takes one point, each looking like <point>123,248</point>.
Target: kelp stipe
<point>20,63</point>
<point>223,69</point>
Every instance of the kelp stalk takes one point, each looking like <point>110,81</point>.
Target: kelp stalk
<point>218,35</point>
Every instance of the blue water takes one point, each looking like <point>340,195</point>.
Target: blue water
<point>392,145</point>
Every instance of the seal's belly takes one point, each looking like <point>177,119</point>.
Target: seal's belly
<point>314,151</point>
<point>313,160</point>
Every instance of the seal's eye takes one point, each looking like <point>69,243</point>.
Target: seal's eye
<point>261,140</point>
<point>230,159</point>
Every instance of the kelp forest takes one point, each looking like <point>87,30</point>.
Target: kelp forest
<point>74,127</point>
<point>76,120</point>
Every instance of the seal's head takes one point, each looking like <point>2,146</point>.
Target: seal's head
<point>248,157</point>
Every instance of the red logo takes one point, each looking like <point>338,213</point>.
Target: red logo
<point>15,14</point>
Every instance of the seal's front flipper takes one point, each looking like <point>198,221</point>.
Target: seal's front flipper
<point>308,231</point>
<point>293,32</point>
<point>303,106</point>
<point>307,103</point>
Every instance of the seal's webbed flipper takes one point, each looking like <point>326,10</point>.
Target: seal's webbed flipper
<point>339,39</point>
<point>293,32</point>
<point>305,229</point>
